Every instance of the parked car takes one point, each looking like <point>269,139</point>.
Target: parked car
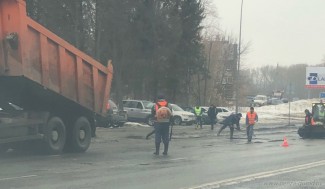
<point>205,117</point>
<point>285,100</point>
<point>249,100</point>
<point>115,117</point>
<point>223,113</point>
<point>260,100</point>
<point>139,110</point>
<point>274,101</point>
<point>181,116</point>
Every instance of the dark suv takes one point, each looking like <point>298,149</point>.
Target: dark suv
<point>115,117</point>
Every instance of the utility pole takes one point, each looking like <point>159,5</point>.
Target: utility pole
<point>239,52</point>
<point>290,86</point>
<point>206,74</point>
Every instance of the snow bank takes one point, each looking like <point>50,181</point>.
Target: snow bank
<point>280,113</point>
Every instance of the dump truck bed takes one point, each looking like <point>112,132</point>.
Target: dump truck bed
<point>32,55</point>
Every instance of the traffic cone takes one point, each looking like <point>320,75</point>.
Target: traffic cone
<point>285,142</point>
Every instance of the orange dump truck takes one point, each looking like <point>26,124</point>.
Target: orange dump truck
<point>51,93</point>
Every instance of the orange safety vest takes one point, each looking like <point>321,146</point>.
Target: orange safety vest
<point>161,104</point>
<point>251,118</point>
<point>312,122</point>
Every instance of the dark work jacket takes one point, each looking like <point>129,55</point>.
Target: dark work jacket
<point>232,119</point>
<point>212,112</point>
<point>308,119</point>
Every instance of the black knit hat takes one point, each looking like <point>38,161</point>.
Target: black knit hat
<point>160,96</point>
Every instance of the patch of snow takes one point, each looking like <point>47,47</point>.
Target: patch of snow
<point>134,124</point>
<point>280,113</point>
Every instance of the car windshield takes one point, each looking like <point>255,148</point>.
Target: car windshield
<point>147,104</point>
<point>176,108</point>
<point>259,98</point>
<point>205,109</point>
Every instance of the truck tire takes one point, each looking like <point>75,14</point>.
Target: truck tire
<point>81,135</point>
<point>54,135</point>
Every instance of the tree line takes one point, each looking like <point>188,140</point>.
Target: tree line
<point>155,45</point>
<point>266,79</point>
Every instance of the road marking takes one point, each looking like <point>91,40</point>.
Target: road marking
<point>260,175</point>
<point>22,177</point>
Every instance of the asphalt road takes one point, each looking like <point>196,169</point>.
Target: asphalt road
<point>122,158</point>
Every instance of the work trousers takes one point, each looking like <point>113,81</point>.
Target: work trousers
<point>213,121</point>
<point>199,121</point>
<point>250,132</point>
<point>162,132</point>
<point>231,127</point>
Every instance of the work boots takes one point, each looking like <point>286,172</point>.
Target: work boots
<point>157,149</point>
<point>231,133</point>
<point>219,132</point>
<point>165,149</point>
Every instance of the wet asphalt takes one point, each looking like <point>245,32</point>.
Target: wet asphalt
<point>122,158</point>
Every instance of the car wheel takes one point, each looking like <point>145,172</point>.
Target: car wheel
<point>120,124</point>
<point>177,120</point>
<point>150,120</point>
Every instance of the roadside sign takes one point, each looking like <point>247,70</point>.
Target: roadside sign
<point>322,95</point>
<point>315,77</point>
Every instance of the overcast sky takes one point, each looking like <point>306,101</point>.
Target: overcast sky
<point>280,31</point>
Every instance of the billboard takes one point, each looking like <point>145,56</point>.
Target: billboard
<point>315,77</point>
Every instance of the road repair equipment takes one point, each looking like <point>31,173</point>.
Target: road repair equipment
<point>316,127</point>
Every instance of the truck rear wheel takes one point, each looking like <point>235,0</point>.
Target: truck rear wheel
<point>81,135</point>
<point>54,135</point>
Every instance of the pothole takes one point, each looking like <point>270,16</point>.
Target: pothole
<point>135,137</point>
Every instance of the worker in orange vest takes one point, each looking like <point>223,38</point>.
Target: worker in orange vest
<point>251,119</point>
<point>162,112</point>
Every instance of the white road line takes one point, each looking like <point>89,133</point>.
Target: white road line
<point>13,178</point>
<point>260,175</point>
